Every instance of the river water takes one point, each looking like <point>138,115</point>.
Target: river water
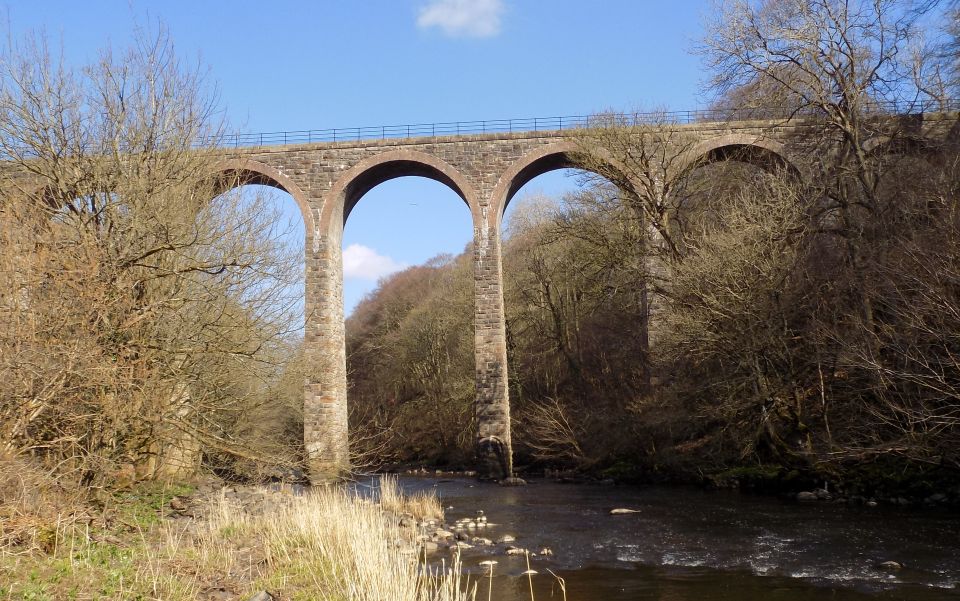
<point>690,544</point>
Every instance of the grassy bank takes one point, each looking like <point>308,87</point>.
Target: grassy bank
<point>171,543</point>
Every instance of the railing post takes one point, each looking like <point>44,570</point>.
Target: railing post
<point>561,123</point>
<point>534,124</point>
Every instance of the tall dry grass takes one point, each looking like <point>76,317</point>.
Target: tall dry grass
<point>326,545</point>
<point>331,546</point>
<point>421,505</point>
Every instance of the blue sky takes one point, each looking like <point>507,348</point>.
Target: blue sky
<point>284,65</point>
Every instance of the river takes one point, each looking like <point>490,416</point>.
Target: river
<point>684,543</point>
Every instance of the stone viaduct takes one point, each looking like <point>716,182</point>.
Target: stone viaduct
<point>485,170</point>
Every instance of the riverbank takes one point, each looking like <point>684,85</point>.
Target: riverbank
<point>214,541</point>
<point>882,481</point>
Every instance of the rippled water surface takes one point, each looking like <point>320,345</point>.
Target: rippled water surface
<point>686,543</point>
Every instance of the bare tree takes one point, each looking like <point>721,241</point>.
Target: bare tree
<point>143,315</point>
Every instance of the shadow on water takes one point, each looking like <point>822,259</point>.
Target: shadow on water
<point>686,543</point>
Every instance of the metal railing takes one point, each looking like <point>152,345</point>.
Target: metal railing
<point>535,124</point>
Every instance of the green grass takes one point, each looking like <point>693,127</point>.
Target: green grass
<point>144,506</point>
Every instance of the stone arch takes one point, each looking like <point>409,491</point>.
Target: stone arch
<point>326,396</point>
<point>901,145</point>
<point>379,168</point>
<point>559,155</point>
<point>232,173</point>
<point>764,153</point>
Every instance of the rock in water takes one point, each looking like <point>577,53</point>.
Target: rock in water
<point>806,496</point>
<point>513,482</point>
<point>890,565</point>
<point>623,510</point>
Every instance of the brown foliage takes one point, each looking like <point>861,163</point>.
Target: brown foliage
<point>142,318</point>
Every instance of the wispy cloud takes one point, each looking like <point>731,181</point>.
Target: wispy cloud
<point>462,18</point>
<point>364,263</point>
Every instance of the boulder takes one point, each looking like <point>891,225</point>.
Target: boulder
<point>514,481</point>
<point>807,496</point>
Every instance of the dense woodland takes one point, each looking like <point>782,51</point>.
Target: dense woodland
<point>800,328</point>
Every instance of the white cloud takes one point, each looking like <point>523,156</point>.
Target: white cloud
<point>362,262</point>
<point>462,18</point>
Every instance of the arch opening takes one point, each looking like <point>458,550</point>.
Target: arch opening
<point>768,155</point>
<point>383,172</point>
<point>263,227</point>
<point>561,157</point>
<point>233,174</point>
<point>273,225</point>
<point>408,303</point>
<point>758,156</point>
<point>556,161</point>
<point>575,308</point>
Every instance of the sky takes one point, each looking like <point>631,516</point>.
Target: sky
<point>284,65</point>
